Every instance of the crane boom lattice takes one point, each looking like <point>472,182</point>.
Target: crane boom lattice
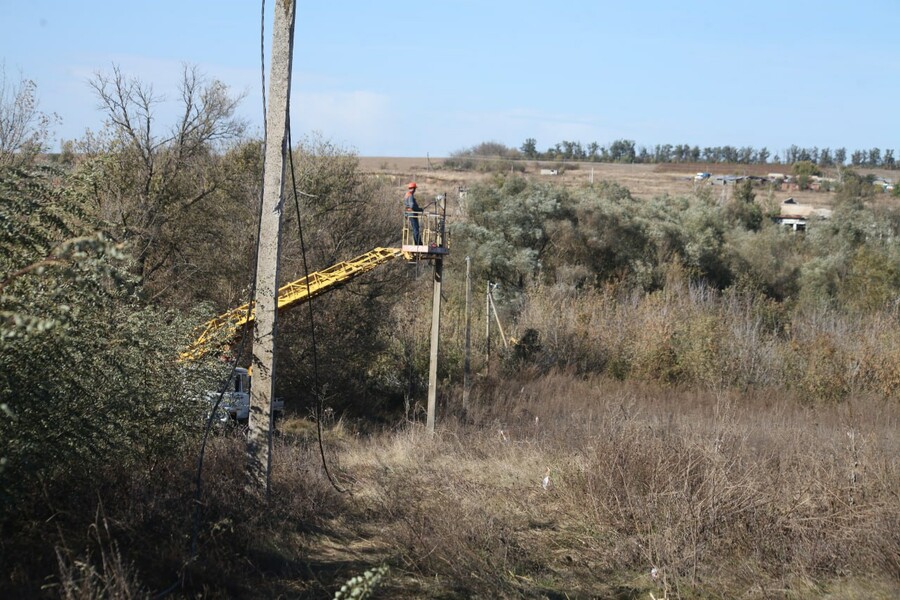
<point>223,327</point>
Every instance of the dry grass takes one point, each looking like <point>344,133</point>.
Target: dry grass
<point>727,495</point>
<point>692,335</point>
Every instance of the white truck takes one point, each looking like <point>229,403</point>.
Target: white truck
<point>235,404</point>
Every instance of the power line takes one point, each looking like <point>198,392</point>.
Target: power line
<point>312,325</point>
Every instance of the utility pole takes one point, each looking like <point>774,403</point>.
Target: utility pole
<point>259,441</point>
<point>487,320</point>
<point>467,363</point>
<point>435,326</point>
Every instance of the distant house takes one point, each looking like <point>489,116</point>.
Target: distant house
<point>885,184</point>
<point>795,223</point>
<point>797,216</point>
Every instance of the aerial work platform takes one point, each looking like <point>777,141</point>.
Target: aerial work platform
<point>433,240</point>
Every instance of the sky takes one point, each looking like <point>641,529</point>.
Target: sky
<point>434,77</point>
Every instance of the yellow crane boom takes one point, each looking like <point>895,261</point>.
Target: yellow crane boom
<point>226,325</point>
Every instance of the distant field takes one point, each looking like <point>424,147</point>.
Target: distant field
<point>644,181</point>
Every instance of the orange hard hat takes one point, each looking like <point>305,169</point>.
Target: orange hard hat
<point>411,186</point>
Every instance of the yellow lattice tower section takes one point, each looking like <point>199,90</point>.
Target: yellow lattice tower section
<point>224,327</point>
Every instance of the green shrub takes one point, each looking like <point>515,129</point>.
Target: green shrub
<point>88,372</point>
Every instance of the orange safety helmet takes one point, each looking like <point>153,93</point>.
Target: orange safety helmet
<point>411,186</point>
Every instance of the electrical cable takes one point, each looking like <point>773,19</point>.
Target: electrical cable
<point>262,65</point>
<point>312,324</point>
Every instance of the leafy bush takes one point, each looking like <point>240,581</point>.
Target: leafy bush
<point>88,373</point>
<point>508,229</point>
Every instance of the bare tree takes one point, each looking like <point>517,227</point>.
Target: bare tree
<point>24,129</point>
<point>155,182</point>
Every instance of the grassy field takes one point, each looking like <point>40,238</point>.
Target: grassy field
<point>674,493</point>
<point>722,498</point>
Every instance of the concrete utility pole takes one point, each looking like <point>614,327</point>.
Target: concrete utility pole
<point>487,323</point>
<point>435,333</point>
<point>259,441</point>
<point>467,364</point>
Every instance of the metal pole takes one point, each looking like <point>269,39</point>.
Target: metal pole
<point>259,440</point>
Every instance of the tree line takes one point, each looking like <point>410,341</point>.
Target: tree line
<point>627,151</point>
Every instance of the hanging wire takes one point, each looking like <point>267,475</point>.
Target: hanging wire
<point>262,64</point>
<point>319,404</point>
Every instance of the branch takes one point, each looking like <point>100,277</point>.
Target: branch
<point>47,262</point>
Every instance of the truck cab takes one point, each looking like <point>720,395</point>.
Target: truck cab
<point>235,404</point>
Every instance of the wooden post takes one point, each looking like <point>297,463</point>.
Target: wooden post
<point>497,318</point>
<point>259,440</point>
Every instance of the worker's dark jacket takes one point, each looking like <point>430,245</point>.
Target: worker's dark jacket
<point>410,203</point>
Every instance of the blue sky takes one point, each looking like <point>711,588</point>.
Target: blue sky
<point>401,78</point>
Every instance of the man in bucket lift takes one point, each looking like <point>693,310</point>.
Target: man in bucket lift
<point>413,212</point>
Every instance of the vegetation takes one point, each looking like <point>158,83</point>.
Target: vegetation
<point>487,157</point>
<point>90,390</point>
<point>24,128</point>
<point>151,185</point>
<point>699,404</point>
<point>626,151</point>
